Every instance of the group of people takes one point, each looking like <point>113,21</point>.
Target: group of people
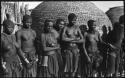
<point>66,50</point>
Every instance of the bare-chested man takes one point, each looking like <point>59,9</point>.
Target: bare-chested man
<point>92,39</point>
<point>26,38</point>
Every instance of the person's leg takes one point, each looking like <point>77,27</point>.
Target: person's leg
<point>117,64</point>
<point>111,65</point>
<point>60,62</point>
<point>75,63</point>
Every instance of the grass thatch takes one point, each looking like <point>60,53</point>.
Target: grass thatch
<point>60,9</point>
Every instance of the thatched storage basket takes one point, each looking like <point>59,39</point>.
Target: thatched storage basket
<point>114,13</point>
<point>85,10</point>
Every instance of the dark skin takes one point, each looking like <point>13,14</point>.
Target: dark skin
<point>116,36</point>
<point>72,36</point>
<point>48,29</point>
<point>25,38</point>
<point>9,46</point>
<point>60,25</point>
<point>93,37</point>
<point>72,29</point>
<point>80,39</point>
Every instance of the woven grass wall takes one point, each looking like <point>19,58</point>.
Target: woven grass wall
<point>60,9</point>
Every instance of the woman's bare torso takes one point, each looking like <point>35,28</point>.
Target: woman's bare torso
<point>91,42</point>
<point>27,40</point>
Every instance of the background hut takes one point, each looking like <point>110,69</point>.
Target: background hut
<point>114,13</point>
<point>60,9</point>
<point>85,10</point>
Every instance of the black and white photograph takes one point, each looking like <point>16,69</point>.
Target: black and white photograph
<point>62,39</point>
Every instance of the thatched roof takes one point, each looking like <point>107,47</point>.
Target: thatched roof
<point>114,13</point>
<point>60,9</point>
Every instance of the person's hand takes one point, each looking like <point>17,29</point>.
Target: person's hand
<point>37,58</point>
<point>76,39</point>
<point>4,68</point>
<point>26,60</point>
<point>89,60</point>
<point>112,46</point>
<point>4,65</point>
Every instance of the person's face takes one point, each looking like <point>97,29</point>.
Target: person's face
<point>61,24</point>
<point>93,26</point>
<point>9,29</point>
<point>28,23</point>
<point>49,26</point>
<point>73,21</point>
<point>104,29</point>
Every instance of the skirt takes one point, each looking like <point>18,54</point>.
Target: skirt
<point>113,61</point>
<point>52,68</point>
<point>31,69</point>
<point>13,67</point>
<point>71,58</point>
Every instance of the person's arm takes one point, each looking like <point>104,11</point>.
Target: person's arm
<point>100,39</point>
<point>45,47</point>
<point>84,48</point>
<point>35,41</point>
<point>64,36</point>
<point>20,52</point>
<point>2,62</point>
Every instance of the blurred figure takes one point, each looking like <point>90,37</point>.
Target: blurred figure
<point>115,38</point>
<point>60,24</point>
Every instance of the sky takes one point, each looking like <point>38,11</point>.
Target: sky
<point>103,5</point>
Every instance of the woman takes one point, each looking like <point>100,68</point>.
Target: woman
<point>71,36</point>
<point>9,57</point>
<point>49,63</point>
<point>60,24</point>
<point>26,39</point>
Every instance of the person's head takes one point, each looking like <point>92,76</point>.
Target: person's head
<point>121,19</point>
<point>91,24</point>
<point>60,23</point>
<point>48,25</point>
<point>27,21</point>
<point>8,26</point>
<point>72,18</point>
<point>104,29</point>
<point>8,16</point>
<point>83,28</point>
